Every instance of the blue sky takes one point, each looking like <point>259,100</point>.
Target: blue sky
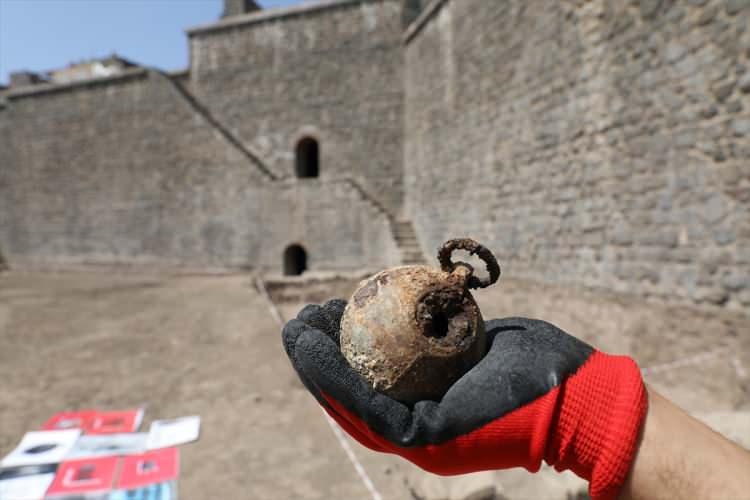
<point>39,35</point>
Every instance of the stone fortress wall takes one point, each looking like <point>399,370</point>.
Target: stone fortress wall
<point>597,142</point>
<point>197,169</point>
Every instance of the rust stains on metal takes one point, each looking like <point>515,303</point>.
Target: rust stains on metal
<point>365,292</point>
<point>412,331</point>
<point>474,248</point>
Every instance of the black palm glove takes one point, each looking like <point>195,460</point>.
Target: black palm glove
<point>537,394</point>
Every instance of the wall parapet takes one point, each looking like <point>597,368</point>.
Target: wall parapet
<point>273,15</point>
<point>48,88</point>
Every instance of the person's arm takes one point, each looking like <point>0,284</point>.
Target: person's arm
<point>681,458</point>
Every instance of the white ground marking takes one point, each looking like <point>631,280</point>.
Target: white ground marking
<point>361,472</point>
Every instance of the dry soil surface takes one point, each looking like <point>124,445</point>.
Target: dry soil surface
<point>209,345</point>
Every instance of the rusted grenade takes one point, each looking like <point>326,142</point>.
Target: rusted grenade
<point>412,331</point>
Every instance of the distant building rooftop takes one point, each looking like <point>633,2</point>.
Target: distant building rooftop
<point>94,68</point>
<point>74,72</point>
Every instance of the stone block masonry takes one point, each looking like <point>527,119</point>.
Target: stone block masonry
<point>196,169</point>
<point>590,142</point>
<point>128,172</point>
<point>332,71</point>
<point>597,142</point>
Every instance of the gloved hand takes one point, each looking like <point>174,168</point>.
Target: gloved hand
<point>538,394</point>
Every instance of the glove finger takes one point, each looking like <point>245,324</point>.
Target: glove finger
<point>321,360</point>
<point>325,318</point>
<point>335,310</point>
<point>494,327</point>
<point>289,335</point>
<point>292,331</point>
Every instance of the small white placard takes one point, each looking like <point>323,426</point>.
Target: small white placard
<point>173,432</point>
<point>42,447</point>
<point>26,488</point>
<point>29,482</point>
<point>102,445</point>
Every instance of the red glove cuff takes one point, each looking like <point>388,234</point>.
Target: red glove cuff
<point>597,426</point>
<point>590,424</point>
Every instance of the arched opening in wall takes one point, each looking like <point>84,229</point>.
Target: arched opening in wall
<point>307,158</point>
<point>295,260</point>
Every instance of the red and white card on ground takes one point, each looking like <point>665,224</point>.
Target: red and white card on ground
<point>42,447</point>
<point>102,445</point>
<point>26,482</point>
<point>97,455</point>
<point>97,422</point>
<point>173,432</point>
<point>158,466</point>
<point>68,420</point>
<point>83,477</point>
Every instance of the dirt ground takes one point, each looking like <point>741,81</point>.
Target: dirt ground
<point>209,345</point>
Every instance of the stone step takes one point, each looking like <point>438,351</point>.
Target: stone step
<point>412,255</point>
<point>407,241</point>
<point>404,234</point>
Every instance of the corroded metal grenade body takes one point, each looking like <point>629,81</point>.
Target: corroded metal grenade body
<point>412,331</point>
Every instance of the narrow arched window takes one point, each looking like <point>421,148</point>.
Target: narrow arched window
<point>307,157</point>
<point>295,260</point>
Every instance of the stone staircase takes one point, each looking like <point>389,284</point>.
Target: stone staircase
<point>402,230</point>
<point>408,245</point>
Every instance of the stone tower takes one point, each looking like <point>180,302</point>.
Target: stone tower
<point>238,7</point>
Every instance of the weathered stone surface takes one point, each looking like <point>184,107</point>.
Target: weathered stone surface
<point>709,112</point>
<point>734,6</point>
<point>621,234</point>
<point>130,170</point>
<point>725,235</point>
<point>723,90</point>
<point>649,7</point>
<point>736,280</point>
<point>715,296</point>
<point>744,83</point>
<point>741,126</point>
<point>734,106</point>
<point>657,130</point>
<point>707,15</point>
<point>534,129</point>
<point>714,209</point>
<point>674,51</point>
